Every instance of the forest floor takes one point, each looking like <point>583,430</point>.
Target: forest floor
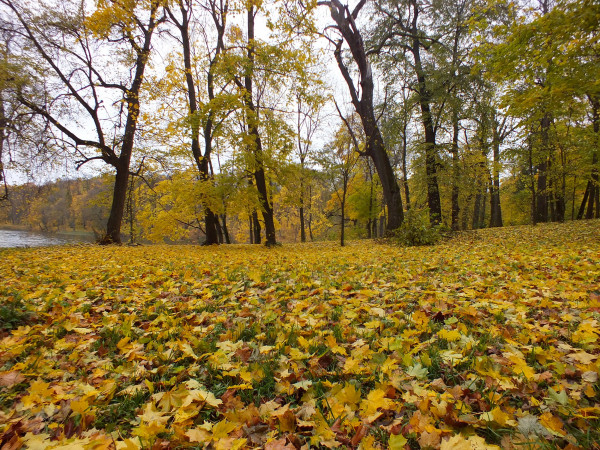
<point>490,339</point>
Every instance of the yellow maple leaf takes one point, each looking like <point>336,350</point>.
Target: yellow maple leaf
<point>397,442</point>
<point>553,424</point>
<point>333,345</point>
<point>79,406</point>
<point>222,429</point>
<point>41,389</point>
<point>449,335</point>
<point>198,435</point>
<point>375,400</point>
<point>349,395</point>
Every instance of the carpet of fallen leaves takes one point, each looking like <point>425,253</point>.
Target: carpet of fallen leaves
<point>488,340</point>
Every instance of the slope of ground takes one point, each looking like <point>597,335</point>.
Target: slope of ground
<point>488,340</point>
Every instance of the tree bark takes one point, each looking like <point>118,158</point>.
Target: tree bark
<point>256,228</point>
<point>495,207</point>
<point>592,189</point>
<point>257,150</point>
<point>433,191</point>
<point>115,218</point>
<point>375,148</point>
<point>455,172</point>
<point>541,211</point>
<point>404,170</point>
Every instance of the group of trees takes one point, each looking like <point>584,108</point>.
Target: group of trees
<point>221,115</point>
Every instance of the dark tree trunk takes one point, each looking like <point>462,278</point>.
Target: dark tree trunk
<point>202,161</point>
<point>495,207</point>
<point>482,210</point>
<point>250,229</point>
<point>375,147</point>
<point>301,209</point>
<point>370,221</point>
<point>476,210</point>
<point>256,228</point>
<point>115,218</point>
<point>404,170</point>
<point>252,119</point>
<point>541,211</point>
<point>455,172</point>
<point>433,191</point>
<point>343,224</point>
<point>219,231</point>
<point>592,189</point>
<point>113,226</point>
<point>225,229</point>
<point>531,174</point>
<point>302,227</point>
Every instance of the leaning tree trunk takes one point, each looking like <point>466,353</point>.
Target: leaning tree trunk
<point>375,148</point>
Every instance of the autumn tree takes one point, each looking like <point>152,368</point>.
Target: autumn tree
<point>73,47</point>
<point>362,96</point>
<point>181,15</point>
<point>339,160</point>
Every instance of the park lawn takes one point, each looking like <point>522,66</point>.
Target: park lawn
<point>490,339</point>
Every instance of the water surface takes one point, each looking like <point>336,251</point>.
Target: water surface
<point>19,238</point>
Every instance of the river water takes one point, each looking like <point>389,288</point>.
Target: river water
<point>18,238</point>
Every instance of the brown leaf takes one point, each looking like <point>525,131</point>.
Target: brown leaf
<point>279,444</point>
<point>430,439</point>
<point>9,379</point>
<point>287,422</point>
<point>361,432</point>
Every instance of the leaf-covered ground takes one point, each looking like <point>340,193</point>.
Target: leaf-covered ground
<point>489,340</point>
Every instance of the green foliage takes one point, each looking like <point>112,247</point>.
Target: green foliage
<point>416,230</point>
<point>13,314</point>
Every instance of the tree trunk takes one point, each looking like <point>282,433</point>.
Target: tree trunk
<point>433,191</point>
<point>375,147</point>
<point>404,170</point>
<point>115,218</point>
<point>132,96</point>
<point>256,227</point>
<point>541,212</point>
<point>592,190</point>
<point>301,209</point>
<point>225,229</point>
<point>531,174</point>
<point>252,118</point>
<point>302,227</point>
<point>370,221</point>
<point>343,219</point>
<point>310,233</point>
<point>476,209</point>
<point>455,172</point>
<point>495,207</point>
<point>483,206</point>
<point>250,229</point>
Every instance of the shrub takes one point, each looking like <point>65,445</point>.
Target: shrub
<point>416,229</point>
<point>13,314</point>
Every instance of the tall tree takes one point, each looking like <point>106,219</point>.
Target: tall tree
<point>252,120</point>
<point>339,159</point>
<point>362,97</point>
<point>400,29</point>
<point>218,10</point>
<point>68,43</point>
